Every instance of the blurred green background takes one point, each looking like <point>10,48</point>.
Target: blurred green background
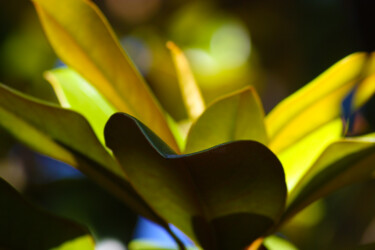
<point>277,46</point>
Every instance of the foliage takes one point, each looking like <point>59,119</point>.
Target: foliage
<point>232,180</point>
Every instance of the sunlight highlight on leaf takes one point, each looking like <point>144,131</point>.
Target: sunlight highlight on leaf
<point>74,92</point>
<point>238,116</point>
<point>89,46</point>
<point>297,159</point>
<point>315,104</point>
<point>344,162</point>
<point>193,100</point>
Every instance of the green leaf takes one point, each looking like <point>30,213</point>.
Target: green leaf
<point>190,91</point>
<point>315,104</point>
<point>23,226</point>
<point>238,116</point>
<point>274,242</point>
<point>74,92</point>
<point>150,245</point>
<point>83,39</point>
<point>66,136</point>
<point>344,162</point>
<point>59,129</point>
<point>226,196</point>
<point>298,158</point>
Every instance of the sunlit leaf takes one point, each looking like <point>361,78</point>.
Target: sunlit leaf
<point>208,195</point>
<point>364,91</point>
<point>238,116</point>
<point>191,94</point>
<point>149,245</point>
<point>315,104</point>
<point>344,162</point>
<point>74,92</point>
<point>66,136</point>
<point>88,45</point>
<point>297,158</point>
<point>274,242</point>
<point>23,226</point>
<point>145,245</point>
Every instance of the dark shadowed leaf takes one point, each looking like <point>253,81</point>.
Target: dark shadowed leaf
<point>239,116</point>
<point>89,46</point>
<point>223,198</point>
<point>23,226</point>
<point>344,162</point>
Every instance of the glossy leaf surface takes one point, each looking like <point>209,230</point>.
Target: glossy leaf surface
<point>344,162</point>
<point>223,198</point>
<point>66,136</point>
<point>74,92</point>
<point>192,96</point>
<point>315,104</point>
<point>238,116</point>
<point>88,45</point>
<point>23,226</point>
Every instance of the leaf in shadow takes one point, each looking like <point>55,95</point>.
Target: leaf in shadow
<point>200,193</point>
<point>24,226</point>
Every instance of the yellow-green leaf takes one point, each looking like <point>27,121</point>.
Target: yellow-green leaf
<point>224,197</point>
<point>298,158</point>
<point>74,92</point>
<point>24,226</point>
<point>275,242</point>
<point>315,104</point>
<point>239,116</point>
<point>344,162</point>
<point>66,135</point>
<point>83,39</point>
<point>191,93</point>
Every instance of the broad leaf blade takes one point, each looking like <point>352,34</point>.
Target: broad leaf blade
<point>191,94</point>
<point>83,39</point>
<point>238,116</point>
<point>298,158</point>
<point>315,104</point>
<point>344,162</point>
<point>74,92</point>
<point>226,196</point>
<point>67,128</point>
<point>65,135</point>
<point>26,227</point>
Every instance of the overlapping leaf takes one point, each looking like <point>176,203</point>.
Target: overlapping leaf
<point>315,104</point>
<point>65,135</point>
<point>74,92</point>
<point>23,226</point>
<point>238,116</point>
<point>212,196</point>
<point>344,162</point>
<point>82,38</point>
